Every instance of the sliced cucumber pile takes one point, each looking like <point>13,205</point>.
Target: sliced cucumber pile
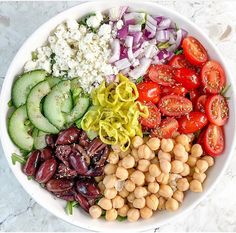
<point>39,139</point>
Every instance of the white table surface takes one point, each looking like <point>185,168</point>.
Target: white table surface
<point>18,212</point>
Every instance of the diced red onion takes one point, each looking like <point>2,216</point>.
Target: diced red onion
<point>135,28</point>
<point>125,71</point>
<point>123,32</point>
<point>110,78</point>
<point>151,26</point>
<point>116,13</point>
<point>129,41</point>
<point>138,52</point>
<point>164,24</point>
<point>137,36</point>
<point>151,20</point>
<point>148,51</point>
<point>150,32</point>
<point>123,52</point>
<point>130,54</point>
<point>133,18</point>
<point>122,64</point>
<point>141,69</point>
<point>165,54</point>
<point>158,19</point>
<point>115,46</point>
<point>135,62</point>
<point>156,60</point>
<point>162,35</point>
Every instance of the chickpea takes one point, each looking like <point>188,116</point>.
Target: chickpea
<point>154,170</point>
<point>152,202</point>
<point>128,162</point>
<point>143,165</point>
<point>105,203</point>
<point>140,192</point>
<point>191,136</point>
<point>149,178</point>
<point>165,166</point>
<point>129,185</point>
<point>116,148</point>
<point>171,204</point>
<point>101,186</point>
<point>110,193</point>
<point>165,191</point>
<point>98,178</point>
<point>95,211</point>
<point>111,215</point>
<point>133,215</point>
<point>118,202</point>
<point>153,143</point>
<point>199,176</point>
<point>153,187</point>
<point>137,141</point>
<point>182,157</point>
<point>183,139</point>
<point>113,158</point>
<point>109,181</point>
<point>182,184</point>
<point>122,173</point>
<point>164,156</point>
<point>186,170</point>
<point>146,213</point>
<point>144,152</point>
<point>124,193</point>
<point>123,154</point>
<point>131,197</point>
<point>163,178</point>
<point>161,205</point>
<point>196,150</point>
<point>134,153</point>
<point>177,166</point>
<point>137,177</point>
<point>139,203</point>
<point>152,156</point>
<point>167,145</point>
<point>196,186</point>
<point>209,159</point>
<point>110,169</point>
<point>179,150</point>
<point>155,160</point>
<point>123,211</point>
<point>191,161</point>
<point>178,196</point>
<point>201,166</point>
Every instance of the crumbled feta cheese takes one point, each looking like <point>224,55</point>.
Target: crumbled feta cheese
<point>119,24</point>
<point>94,21</point>
<point>105,31</point>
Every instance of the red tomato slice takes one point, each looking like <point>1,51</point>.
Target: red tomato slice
<point>187,78</point>
<point>162,74</point>
<point>173,105</point>
<point>213,140</point>
<point>167,128</point>
<point>154,118</point>
<point>201,137</point>
<point>201,103</point>
<point>194,51</point>
<point>194,94</point>
<point>217,110</point>
<point>192,122</point>
<point>213,77</point>
<point>174,90</point>
<point>179,61</point>
<point>149,92</point>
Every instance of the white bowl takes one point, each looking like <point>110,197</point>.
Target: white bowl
<point>56,206</point>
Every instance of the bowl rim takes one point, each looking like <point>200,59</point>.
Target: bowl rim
<point>129,3</point>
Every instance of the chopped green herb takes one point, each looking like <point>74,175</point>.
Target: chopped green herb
<point>17,158</point>
<point>139,80</point>
<point>120,218</point>
<point>24,153</point>
<point>30,177</point>
<point>69,207</point>
<point>178,51</point>
<point>163,45</point>
<point>83,20</point>
<point>10,103</point>
<point>225,90</point>
<point>34,55</point>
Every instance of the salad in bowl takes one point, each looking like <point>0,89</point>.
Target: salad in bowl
<point>120,113</point>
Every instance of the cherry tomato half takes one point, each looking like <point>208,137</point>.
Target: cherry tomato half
<point>194,51</point>
<point>201,103</point>
<point>213,140</point>
<point>201,137</point>
<point>192,122</point>
<point>167,128</point>
<point>162,74</point>
<point>194,94</point>
<point>213,77</point>
<point>174,90</point>
<point>187,78</point>
<point>179,61</point>
<point>173,105</point>
<point>149,92</point>
<point>154,118</point>
<point>217,110</point>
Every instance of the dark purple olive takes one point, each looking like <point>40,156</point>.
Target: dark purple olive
<point>68,136</point>
<point>62,152</point>
<point>97,171</point>
<point>32,163</point>
<point>79,163</point>
<point>50,140</point>
<point>95,146</point>
<point>59,185</point>
<point>64,171</point>
<point>46,153</point>
<point>83,140</point>
<point>82,201</point>
<point>88,188</point>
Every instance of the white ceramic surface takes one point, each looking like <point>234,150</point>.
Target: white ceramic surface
<point>57,206</point>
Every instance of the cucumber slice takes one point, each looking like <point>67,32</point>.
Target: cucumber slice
<point>22,86</point>
<point>39,140</point>
<point>53,80</point>
<point>53,103</point>
<point>67,105</point>
<point>79,109</point>
<point>18,131</point>
<point>33,108</point>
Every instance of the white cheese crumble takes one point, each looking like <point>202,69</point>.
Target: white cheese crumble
<point>73,51</point>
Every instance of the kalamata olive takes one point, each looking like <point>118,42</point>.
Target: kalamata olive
<point>79,163</point>
<point>93,172</point>
<point>32,163</point>
<point>78,148</point>
<point>88,188</point>
<point>46,154</point>
<point>68,136</point>
<point>46,171</point>
<point>50,140</point>
<point>64,171</point>
<point>82,201</point>
<point>62,152</point>
<point>91,200</point>
<point>67,195</point>
<point>95,146</point>
<point>83,140</point>
<point>99,159</point>
<point>59,185</point>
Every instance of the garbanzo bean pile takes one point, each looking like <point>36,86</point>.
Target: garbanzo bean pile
<point>152,175</point>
